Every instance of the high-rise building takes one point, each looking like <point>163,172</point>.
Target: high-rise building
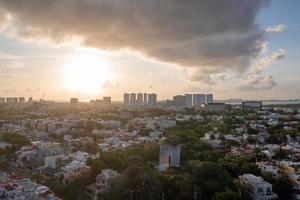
<point>198,99</point>
<point>107,100</point>
<point>179,100</point>
<point>98,102</point>
<point>132,99</point>
<point>2,99</point>
<point>209,98</point>
<point>140,99</point>
<point>74,101</point>
<point>12,100</point>
<point>21,99</point>
<point>126,99</point>
<point>145,98</point>
<point>188,100</point>
<point>152,99</point>
<point>30,99</point>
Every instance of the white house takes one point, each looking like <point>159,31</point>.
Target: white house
<point>268,167</point>
<point>257,187</point>
<point>51,161</point>
<point>74,169</point>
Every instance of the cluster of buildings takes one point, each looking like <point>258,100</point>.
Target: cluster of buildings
<point>191,100</point>
<point>101,185</point>
<point>138,131</point>
<point>104,101</point>
<point>61,144</point>
<point>14,100</point>
<point>14,187</point>
<point>140,99</point>
<point>66,157</point>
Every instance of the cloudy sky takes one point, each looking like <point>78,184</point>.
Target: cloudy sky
<point>92,48</point>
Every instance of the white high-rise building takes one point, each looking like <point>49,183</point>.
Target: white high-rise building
<point>132,99</point>
<point>145,99</point>
<point>209,98</point>
<point>152,99</point>
<point>198,99</point>
<point>188,100</point>
<point>126,99</point>
<point>139,99</point>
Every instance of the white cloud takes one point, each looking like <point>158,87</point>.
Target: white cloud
<point>4,56</point>
<point>254,78</point>
<point>265,62</point>
<point>276,29</point>
<point>258,83</point>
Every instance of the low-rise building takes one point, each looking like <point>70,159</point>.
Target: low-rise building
<point>19,188</point>
<point>217,107</point>
<point>257,187</point>
<point>53,161</point>
<point>252,105</point>
<point>269,167</point>
<point>102,184</point>
<point>73,170</point>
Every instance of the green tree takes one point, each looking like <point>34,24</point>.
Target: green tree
<point>283,188</point>
<point>113,161</point>
<point>280,154</point>
<point>15,139</point>
<point>135,160</point>
<point>227,195</point>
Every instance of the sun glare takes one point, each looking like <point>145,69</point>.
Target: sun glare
<point>86,74</point>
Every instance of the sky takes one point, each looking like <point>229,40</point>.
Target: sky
<point>93,48</point>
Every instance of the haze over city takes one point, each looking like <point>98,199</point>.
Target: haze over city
<point>149,100</point>
<point>89,49</point>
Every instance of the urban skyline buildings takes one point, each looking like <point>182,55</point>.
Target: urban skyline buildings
<point>126,99</point>
<point>198,99</point>
<point>152,99</point>
<point>209,98</point>
<point>15,99</point>
<point>188,100</point>
<point>132,99</point>
<point>139,99</point>
<point>192,100</point>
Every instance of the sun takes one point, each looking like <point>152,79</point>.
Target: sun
<point>86,74</point>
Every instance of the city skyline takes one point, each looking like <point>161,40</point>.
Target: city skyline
<point>252,55</point>
<point>149,99</point>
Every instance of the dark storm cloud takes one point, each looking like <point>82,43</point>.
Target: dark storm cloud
<point>203,33</point>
